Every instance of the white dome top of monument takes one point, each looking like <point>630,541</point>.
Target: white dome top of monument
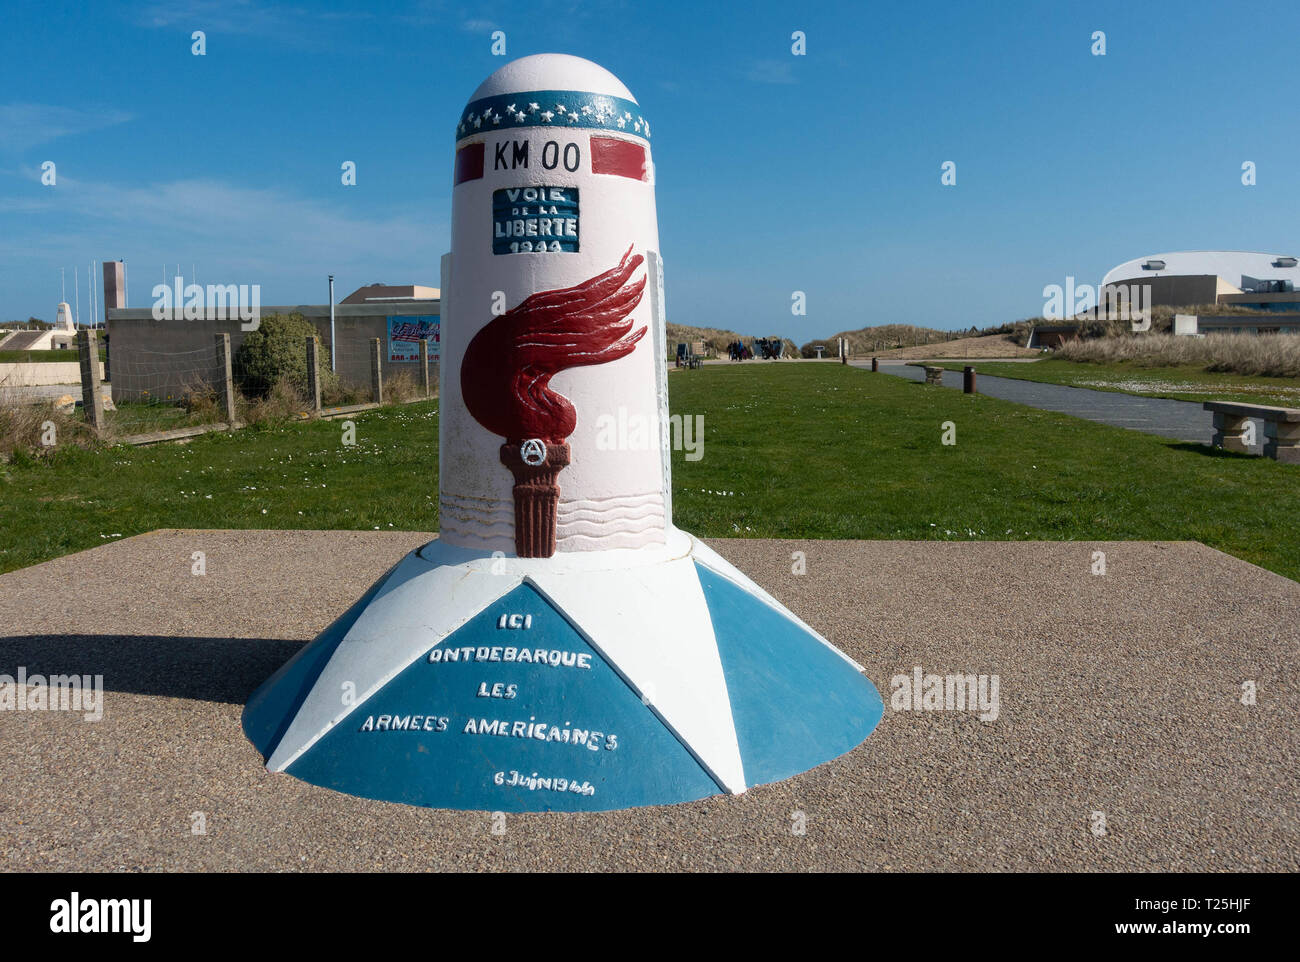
<point>551,71</point>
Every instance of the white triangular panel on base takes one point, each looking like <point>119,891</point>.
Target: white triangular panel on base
<point>587,681</point>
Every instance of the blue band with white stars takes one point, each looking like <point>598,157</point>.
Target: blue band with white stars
<point>553,108</point>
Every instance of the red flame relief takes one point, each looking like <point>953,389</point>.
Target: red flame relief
<point>506,373</point>
<point>505,380</point>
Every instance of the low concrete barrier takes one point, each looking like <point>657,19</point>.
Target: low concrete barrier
<point>38,373</point>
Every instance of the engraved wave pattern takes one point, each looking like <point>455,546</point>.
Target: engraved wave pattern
<point>483,523</point>
<point>583,524</point>
<point>622,521</point>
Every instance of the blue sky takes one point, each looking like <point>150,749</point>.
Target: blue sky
<point>776,172</point>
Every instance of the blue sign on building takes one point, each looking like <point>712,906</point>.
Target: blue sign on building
<point>529,220</point>
<point>406,332</point>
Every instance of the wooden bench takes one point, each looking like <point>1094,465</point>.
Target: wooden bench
<point>1281,428</point>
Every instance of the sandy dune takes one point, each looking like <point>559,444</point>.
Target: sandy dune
<point>998,345</point>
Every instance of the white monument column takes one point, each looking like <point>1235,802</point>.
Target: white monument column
<point>554,237</point>
<point>561,646</point>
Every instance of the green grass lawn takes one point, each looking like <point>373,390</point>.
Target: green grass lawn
<point>136,418</point>
<point>129,418</point>
<point>289,475</point>
<point>62,355</point>
<point>800,450</point>
<point>1185,383</point>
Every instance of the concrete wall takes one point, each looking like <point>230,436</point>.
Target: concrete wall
<point>172,357</point>
<point>53,372</point>
<point>1248,324</point>
<point>1054,339</point>
<point>1285,302</point>
<point>354,333</point>
<point>1180,291</point>
<point>1052,335</point>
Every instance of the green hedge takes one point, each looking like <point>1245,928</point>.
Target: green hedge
<point>276,350</point>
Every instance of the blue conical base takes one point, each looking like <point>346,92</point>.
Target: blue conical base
<point>529,704</point>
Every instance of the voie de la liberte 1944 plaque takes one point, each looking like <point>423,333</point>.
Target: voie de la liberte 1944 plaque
<point>534,220</point>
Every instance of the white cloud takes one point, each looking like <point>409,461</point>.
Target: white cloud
<point>219,16</point>
<point>234,234</point>
<point>29,125</point>
<point>289,24</point>
<point>771,72</point>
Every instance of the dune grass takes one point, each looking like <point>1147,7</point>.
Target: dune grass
<point>1254,355</point>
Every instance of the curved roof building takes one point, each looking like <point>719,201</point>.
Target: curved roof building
<point>1184,278</point>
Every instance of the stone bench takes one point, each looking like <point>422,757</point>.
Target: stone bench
<point>1281,428</point>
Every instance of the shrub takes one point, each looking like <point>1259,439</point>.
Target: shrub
<point>277,350</point>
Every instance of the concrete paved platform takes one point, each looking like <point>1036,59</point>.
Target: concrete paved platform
<point>1118,694</point>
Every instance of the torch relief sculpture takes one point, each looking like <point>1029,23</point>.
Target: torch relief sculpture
<point>505,382</point>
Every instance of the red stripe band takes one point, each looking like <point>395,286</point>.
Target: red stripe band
<point>469,163</point>
<point>622,158</point>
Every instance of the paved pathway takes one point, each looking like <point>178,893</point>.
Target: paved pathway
<point>1184,420</point>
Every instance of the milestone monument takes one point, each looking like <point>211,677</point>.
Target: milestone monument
<point>560,646</point>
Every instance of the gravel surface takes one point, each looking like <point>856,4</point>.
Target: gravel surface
<point>1119,694</point>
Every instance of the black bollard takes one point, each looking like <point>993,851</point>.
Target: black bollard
<point>875,364</point>
<point>968,380</point>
